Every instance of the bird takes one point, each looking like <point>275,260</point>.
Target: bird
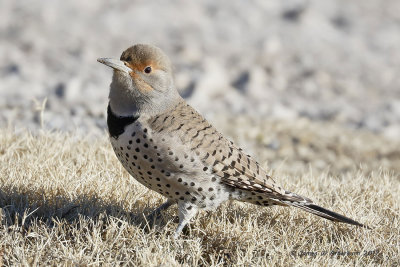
<point>170,148</point>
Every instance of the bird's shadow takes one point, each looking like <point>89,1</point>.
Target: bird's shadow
<point>23,207</point>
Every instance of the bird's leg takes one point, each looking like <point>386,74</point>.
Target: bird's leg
<point>156,212</point>
<point>186,211</point>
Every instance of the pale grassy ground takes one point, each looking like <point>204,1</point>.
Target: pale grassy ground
<point>65,200</point>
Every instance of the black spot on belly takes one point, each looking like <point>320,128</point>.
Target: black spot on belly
<point>116,124</point>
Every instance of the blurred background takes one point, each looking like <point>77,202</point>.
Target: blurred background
<point>335,60</point>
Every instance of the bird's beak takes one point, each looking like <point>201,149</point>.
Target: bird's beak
<point>115,64</point>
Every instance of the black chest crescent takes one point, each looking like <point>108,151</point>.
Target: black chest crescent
<point>116,124</point>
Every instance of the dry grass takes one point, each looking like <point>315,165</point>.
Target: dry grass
<point>65,200</point>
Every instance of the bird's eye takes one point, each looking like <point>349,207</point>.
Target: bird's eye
<point>147,69</point>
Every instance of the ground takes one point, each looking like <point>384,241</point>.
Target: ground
<point>66,200</point>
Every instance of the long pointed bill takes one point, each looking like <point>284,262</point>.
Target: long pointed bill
<point>115,64</point>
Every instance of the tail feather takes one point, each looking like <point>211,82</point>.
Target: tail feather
<point>295,200</point>
<point>327,214</point>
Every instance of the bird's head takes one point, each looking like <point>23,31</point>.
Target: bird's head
<point>142,81</point>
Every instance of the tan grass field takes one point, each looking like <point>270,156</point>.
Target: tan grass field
<point>65,200</point>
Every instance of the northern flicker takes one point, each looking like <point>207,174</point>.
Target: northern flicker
<point>170,148</point>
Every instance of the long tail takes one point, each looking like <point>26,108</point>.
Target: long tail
<point>327,214</point>
<point>306,204</point>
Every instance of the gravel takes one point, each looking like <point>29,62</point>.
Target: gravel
<point>335,61</point>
